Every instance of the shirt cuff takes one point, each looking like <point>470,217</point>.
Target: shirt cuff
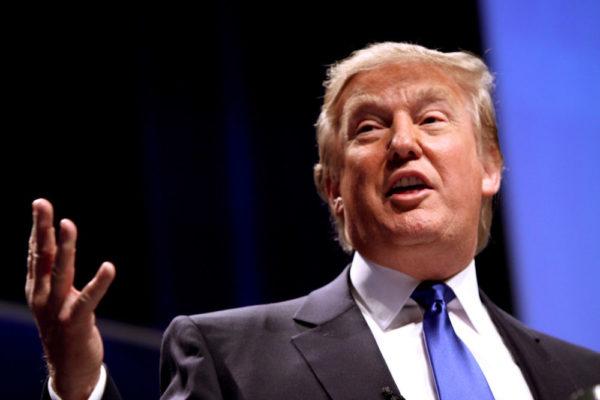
<point>97,393</point>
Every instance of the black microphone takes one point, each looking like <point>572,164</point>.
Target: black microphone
<point>592,393</point>
<point>388,394</point>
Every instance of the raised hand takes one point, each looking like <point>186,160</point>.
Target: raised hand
<point>64,315</point>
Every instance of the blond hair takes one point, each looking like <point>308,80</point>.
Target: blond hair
<point>469,72</point>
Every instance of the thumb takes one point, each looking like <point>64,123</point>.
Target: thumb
<point>94,291</point>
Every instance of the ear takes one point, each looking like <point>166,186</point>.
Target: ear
<point>334,197</point>
<point>492,173</point>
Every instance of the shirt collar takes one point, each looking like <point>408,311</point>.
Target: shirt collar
<point>383,292</point>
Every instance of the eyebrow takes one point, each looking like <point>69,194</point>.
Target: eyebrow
<point>356,102</point>
<point>352,105</point>
<point>420,98</point>
<point>430,95</point>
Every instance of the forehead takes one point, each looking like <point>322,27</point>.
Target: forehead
<point>407,80</point>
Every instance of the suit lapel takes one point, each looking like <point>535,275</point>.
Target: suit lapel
<point>545,376</point>
<point>339,346</point>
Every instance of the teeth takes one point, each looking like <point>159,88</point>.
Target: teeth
<point>408,181</point>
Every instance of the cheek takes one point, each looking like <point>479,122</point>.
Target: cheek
<point>460,170</point>
<point>360,166</point>
<point>359,182</point>
<point>457,155</point>
<point>352,188</point>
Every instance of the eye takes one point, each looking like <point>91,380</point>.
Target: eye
<point>432,118</point>
<point>366,126</point>
<point>429,120</point>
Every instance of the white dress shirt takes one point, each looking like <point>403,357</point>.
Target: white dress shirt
<point>396,321</point>
<point>97,393</point>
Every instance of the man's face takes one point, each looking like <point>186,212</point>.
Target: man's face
<point>412,176</point>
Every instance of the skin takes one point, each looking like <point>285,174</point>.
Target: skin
<point>411,120</point>
<point>64,315</point>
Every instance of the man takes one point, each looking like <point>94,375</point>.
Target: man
<point>409,164</point>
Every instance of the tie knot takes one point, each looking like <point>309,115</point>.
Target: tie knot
<point>431,294</point>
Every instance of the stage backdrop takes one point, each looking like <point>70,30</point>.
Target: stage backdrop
<point>546,55</point>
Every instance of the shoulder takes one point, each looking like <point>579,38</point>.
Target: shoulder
<point>545,351</point>
<point>569,352</point>
<point>581,364</point>
<point>237,321</point>
<point>559,347</point>
<point>232,343</point>
<point>287,316</point>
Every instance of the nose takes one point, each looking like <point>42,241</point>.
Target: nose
<point>404,143</point>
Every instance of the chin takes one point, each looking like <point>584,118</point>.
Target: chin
<point>412,239</point>
<point>415,224</point>
<point>398,237</point>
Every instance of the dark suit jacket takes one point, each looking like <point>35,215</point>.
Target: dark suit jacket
<point>320,347</point>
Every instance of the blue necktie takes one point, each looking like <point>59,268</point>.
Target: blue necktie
<point>457,374</point>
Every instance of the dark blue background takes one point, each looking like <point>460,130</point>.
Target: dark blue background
<point>181,141</point>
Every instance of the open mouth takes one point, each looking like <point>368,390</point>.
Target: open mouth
<point>408,184</point>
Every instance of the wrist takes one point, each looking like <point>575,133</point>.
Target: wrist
<point>76,386</point>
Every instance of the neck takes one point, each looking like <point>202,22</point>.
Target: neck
<point>422,262</point>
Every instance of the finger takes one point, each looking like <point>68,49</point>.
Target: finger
<point>38,205</point>
<point>44,251</point>
<point>32,241</point>
<point>93,292</point>
<point>64,268</point>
